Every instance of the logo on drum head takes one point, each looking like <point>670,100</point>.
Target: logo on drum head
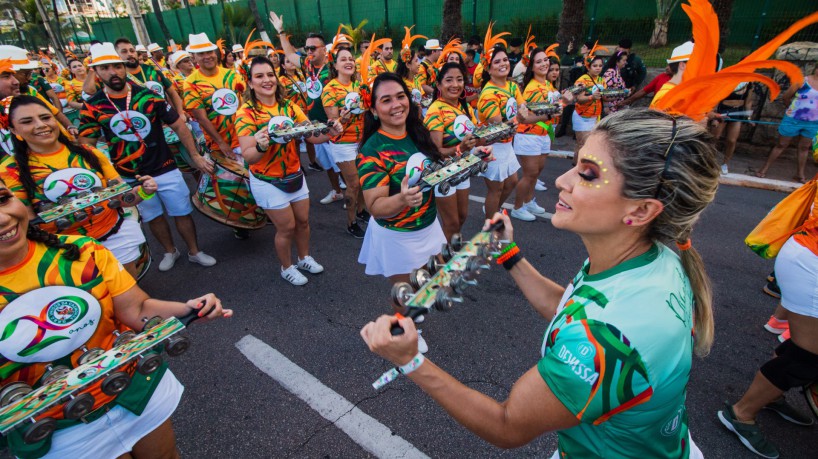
<point>352,102</point>
<point>462,126</point>
<point>417,96</point>
<point>69,182</point>
<point>415,166</point>
<point>156,88</point>
<point>47,324</point>
<point>511,108</point>
<point>130,126</point>
<point>278,123</point>
<point>314,88</point>
<point>225,101</point>
<point>300,87</point>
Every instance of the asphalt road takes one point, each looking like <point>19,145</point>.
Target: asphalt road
<point>233,409</point>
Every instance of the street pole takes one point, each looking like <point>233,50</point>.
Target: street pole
<point>52,38</point>
<point>138,22</point>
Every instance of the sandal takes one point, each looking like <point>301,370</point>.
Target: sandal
<point>760,174</point>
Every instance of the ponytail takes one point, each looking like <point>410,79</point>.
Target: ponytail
<point>703,327</point>
<point>71,252</point>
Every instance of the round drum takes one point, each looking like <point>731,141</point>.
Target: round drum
<point>180,153</point>
<point>143,263</point>
<point>225,197</point>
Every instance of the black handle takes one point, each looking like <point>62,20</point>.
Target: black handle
<point>193,314</point>
<point>397,330</point>
<point>496,226</point>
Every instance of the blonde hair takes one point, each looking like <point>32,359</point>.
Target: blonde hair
<point>671,159</point>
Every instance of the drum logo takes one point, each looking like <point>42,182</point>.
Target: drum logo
<point>278,124</point>
<point>155,87</point>
<point>225,102</point>
<point>69,182</point>
<point>417,96</point>
<point>130,126</point>
<point>415,166</point>
<point>511,108</point>
<point>47,324</point>
<point>462,126</point>
<point>352,102</point>
<point>314,88</point>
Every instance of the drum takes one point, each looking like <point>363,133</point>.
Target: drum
<point>73,115</point>
<point>179,152</point>
<point>143,263</point>
<point>225,197</point>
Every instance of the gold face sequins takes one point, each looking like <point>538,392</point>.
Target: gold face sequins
<point>598,162</point>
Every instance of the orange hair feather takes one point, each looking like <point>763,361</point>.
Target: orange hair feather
<point>490,42</point>
<point>251,44</point>
<point>528,46</point>
<point>365,58</point>
<point>549,52</point>
<point>453,46</point>
<point>406,44</point>
<point>592,53</point>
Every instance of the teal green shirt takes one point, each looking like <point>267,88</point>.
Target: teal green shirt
<point>618,354</point>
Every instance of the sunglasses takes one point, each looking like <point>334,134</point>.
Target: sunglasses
<point>310,48</point>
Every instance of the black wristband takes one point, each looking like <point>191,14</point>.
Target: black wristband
<point>259,149</point>
<point>508,264</point>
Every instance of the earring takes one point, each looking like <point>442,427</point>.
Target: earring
<point>18,137</point>
<point>376,117</point>
<point>629,222</point>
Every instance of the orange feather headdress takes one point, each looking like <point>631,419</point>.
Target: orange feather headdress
<point>336,41</point>
<point>220,45</point>
<point>453,46</point>
<point>550,51</point>
<point>592,53</point>
<point>489,44</point>
<point>406,44</point>
<point>366,79</point>
<point>6,66</point>
<point>528,47</point>
<point>702,88</point>
<point>249,45</point>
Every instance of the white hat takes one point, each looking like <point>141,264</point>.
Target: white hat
<point>141,48</point>
<point>104,53</point>
<point>154,47</point>
<point>19,58</point>
<point>341,39</point>
<point>681,53</point>
<point>177,56</point>
<point>199,43</point>
<point>432,45</point>
<point>238,48</point>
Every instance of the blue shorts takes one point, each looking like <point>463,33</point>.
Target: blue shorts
<point>324,156</point>
<point>791,127</point>
<point>172,194</point>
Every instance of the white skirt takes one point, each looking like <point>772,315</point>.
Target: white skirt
<point>387,252</point>
<point>796,271</point>
<point>531,145</point>
<point>505,162</point>
<point>582,124</point>
<point>343,152</point>
<point>464,185</point>
<point>126,243</point>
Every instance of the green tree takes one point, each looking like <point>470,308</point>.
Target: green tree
<point>356,34</point>
<point>572,19</point>
<point>452,20</point>
<point>724,9</point>
<point>237,22</point>
<point>664,8</point>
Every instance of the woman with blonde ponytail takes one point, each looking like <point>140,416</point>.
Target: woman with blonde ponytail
<point>617,354</point>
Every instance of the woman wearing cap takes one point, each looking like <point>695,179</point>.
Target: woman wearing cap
<point>617,354</point>
<point>276,179</point>
<point>342,101</point>
<point>47,167</point>
<point>588,109</point>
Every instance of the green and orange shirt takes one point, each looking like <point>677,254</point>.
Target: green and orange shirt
<point>618,355</point>
<point>281,158</point>
<point>415,89</point>
<point>39,83</point>
<point>73,90</point>
<point>379,66</point>
<point>220,97</point>
<point>58,84</point>
<point>315,80</point>
<point>295,90</point>
<point>51,307</point>
<point>344,96</point>
<point>64,174</point>
<point>382,162</point>
<point>427,74</point>
<point>537,92</point>
<point>499,101</point>
<point>592,108</point>
<point>150,77</point>
<point>134,132</point>
<point>453,121</point>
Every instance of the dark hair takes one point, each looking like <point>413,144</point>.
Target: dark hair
<point>674,67</point>
<point>21,153</point>
<point>461,99</point>
<point>486,76</point>
<point>318,36</point>
<point>555,62</point>
<point>71,252</point>
<point>626,43</point>
<point>332,70</point>
<point>71,61</point>
<point>588,66</point>
<point>363,42</point>
<point>283,72</point>
<point>589,44</point>
<point>119,41</point>
<point>471,53</point>
<point>414,124</point>
<point>529,71</point>
<point>223,57</point>
<point>475,40</point>
<point>403,69</point>
<point>96,42</point>
<point>613,59</point>
<point>279,94</point>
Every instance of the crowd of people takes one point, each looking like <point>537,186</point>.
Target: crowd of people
<point>616,358</point>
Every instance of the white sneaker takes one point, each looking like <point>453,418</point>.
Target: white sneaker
<point>724,170</point>
<point>422,346</point>
<point>309,264</point>
<point>202,259</point>
<point>540,186</point>
<point>293,276</point>
<point>168,260</point>
<point>532,207</point>
<point>420,319</point>
<point>523,214</point>
<point>331,197</point>
<point>341,183</point>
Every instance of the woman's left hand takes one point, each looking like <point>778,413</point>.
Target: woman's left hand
<point>468,142</point>
<point>210,307</point>
<point>335,128</point>
<point>397,349</point>
<point>148,184</point>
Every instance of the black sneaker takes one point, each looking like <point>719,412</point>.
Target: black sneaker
<point>786,411</point>
<point>355,231</point>
<point>363,216</point>
<point>772,289</point>
<point>315,167</point>
<point>241,234</point>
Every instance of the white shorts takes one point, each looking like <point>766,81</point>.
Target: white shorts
<point>581,123</point>
<point>117,431</point>
<point>126,243</point>
<point>268,197</point>
<point>505,163</point>
<point>343,152</point>
<point>322,155</point>
<point>464,185</point>
<point>172,194</point>
<point>796,271</point>
<point>388,252</point>
<point>531,145</point>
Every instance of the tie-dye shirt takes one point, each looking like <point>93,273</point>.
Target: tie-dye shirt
<point>496,101</point>
<point>382,162</point>
<point>379,67</point>
<point>804,105</point>
<point>281,158</point>
<point>618,355</point>
<point>451,120</point>
<point>539,92</point>
<point>339,95</point>
<point>220,97</point>
<point>592,108</point>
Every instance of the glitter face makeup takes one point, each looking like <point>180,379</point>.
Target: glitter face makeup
<point>592,170</point>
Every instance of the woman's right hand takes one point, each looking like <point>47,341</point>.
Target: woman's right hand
<point>468,142</point>
<point>411,196</point>
<point>262,139</point>
<point>507,232</point>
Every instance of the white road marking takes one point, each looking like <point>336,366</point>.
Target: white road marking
<point>506,205</point>
<point>363,429</point>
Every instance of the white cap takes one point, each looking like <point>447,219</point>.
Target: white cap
<point>341,39</point>
<point>176,57</point>
<point>154,47</point>
<point>681,53</point>
<point>199,43</point>
<point>141,48</point>
<point>19,58</point>
<point>432,44</point>
<point>238,48</point>
<point>104,53</point>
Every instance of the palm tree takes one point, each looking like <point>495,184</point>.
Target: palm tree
<point>257,18</point>
<point>724,9</point>
<point>664,8</point>
<point>572,18</point>
<point>356,34</point>
<point>452,20</point>
<point>157,11</point>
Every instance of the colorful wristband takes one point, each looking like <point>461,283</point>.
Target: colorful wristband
<point>508,264</point>
<point>143,195</point>
<point>393,373</point>
<point>508,248</point>
<point>507,255</point>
